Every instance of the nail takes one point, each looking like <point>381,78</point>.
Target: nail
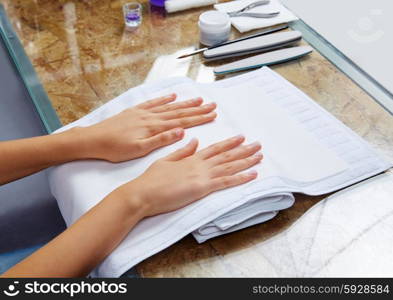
<point>252,173</point>
<point>238,137</point>
<point>179,132</point>
<point>210,104</point>
<point>170,95</point>
<point>192,141</point>
<point>258,155</point>
<point>255,144</point>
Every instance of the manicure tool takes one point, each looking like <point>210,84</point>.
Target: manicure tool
<point>260,33</point>
<point>244,11</point>
<point>255,45</point>
<point>265,59</point>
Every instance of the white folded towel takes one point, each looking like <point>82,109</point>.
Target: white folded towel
<point>253,212</point>
<point>244,24</point>
<point>178,5</point>
<point>306,150</point>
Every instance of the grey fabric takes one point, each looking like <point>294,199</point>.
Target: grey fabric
<point>29,214</point>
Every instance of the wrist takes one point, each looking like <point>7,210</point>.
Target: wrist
<point>133,200</point>
<point>76,144</point>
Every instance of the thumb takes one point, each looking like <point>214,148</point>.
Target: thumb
<point>184,152</point>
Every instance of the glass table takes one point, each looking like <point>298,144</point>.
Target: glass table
<point>75,56</point>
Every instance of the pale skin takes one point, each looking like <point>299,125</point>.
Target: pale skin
<point>136,132</point>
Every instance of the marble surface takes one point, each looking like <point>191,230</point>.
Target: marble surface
<point>84,57</point>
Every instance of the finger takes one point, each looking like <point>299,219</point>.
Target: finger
<point>221,183</point>
<point>184,152</point>
<point>162,139</point>
<point>188,112</point>
<point>178,105</point>
<point>188,122</point>
<point>221,147</point>
<point>235,154</point>
<point>157,101</point>
<point>236,166</point>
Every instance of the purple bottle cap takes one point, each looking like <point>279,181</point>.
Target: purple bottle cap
<point>160,3</point>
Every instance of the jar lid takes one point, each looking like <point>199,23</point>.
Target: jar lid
<point>214,19</point>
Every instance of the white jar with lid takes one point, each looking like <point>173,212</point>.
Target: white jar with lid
<point>214,27</point>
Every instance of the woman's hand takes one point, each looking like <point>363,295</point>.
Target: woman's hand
<point>186,175</point>
<point>169,184</point>
<point>139,130</point>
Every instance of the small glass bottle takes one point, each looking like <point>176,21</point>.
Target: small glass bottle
<point>132,15</point>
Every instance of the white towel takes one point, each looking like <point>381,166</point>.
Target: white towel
<point>178,5</point>
<point>246,215</point>
<point>306,151</point>
<point>244,24</point>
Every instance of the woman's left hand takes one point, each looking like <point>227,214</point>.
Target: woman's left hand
<point>143,128</point>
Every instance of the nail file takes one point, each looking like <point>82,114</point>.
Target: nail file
<point>265,59</point>
<point>254,45</point>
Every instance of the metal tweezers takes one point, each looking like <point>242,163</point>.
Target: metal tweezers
<point>243,12</point>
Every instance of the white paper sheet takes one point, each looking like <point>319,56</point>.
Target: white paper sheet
<point>244,24</point>
<point>321,155</point>
<point>179,5</point>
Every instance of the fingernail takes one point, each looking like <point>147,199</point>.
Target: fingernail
<point>193,140</point>
<point>258,154</point>
<point>238,137</point>
<point>197,99</point>
<point>255,144</point>
<point>252,173</point>
<point>171,95</point>
<point>179,132</point>
<point>210,104</point>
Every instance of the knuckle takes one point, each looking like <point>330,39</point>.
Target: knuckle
<point>183,122</point>
<point>217,148</point>
<point>225,181</point>
<point>139,147</point>
<point>227,156</point>
<point>249,160</point>
<point>169,136</point>
<point>228,168</point>
<point>242,177</point>
<point>209,116</point>
<point>181,114</point>
<point>164,137</point>
<point>151,130</point>
<point>244,149</point>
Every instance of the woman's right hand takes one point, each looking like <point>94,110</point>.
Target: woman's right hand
<point>186,175</point>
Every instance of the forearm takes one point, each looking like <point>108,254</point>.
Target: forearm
<point>170,183</point>
<point>23,157</point>
<point>80,248</point>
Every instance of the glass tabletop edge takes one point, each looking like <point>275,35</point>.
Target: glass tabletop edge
<point>28,74</point>
<point>379,93</point>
